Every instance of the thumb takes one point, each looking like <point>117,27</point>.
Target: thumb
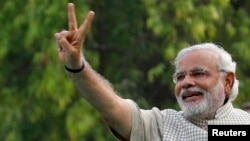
<point>64,43</point>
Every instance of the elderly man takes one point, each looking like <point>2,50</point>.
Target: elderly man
<point>205,87</point>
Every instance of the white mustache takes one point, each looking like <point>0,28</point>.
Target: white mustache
<point>192,90</point>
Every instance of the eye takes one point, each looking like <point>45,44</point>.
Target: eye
<point>198,74</point>
<point>180,77</point>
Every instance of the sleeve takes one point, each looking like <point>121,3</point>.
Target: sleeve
<point>147,125</point>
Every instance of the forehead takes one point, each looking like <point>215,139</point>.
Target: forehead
<point>200,58</point>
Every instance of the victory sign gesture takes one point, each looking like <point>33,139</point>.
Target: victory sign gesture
<point>70,42</point>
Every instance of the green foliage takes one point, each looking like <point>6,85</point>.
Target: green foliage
<point>131,43</point>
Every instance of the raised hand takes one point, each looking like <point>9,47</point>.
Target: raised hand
<point>70,42</point>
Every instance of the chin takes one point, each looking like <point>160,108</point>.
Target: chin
<point>194,104</point>
<point>195,108</point>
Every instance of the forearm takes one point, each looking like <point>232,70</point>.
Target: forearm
<point>94,88</point>
<point>99,92</point>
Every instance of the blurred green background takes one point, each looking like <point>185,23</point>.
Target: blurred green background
<point>131,43</point>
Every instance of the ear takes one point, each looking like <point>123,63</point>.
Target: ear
<point>229,81</point>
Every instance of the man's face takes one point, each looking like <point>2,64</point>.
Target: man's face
<point>199,88</point>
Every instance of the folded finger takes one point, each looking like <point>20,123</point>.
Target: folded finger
<point>64,45</point>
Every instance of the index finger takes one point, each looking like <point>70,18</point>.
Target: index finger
<point>72,23</point>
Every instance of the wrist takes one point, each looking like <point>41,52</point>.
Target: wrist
<point>75,70</point>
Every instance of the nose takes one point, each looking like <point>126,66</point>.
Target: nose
<point>187,82</point>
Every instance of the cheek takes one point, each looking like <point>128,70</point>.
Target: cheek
<point>177,90</point>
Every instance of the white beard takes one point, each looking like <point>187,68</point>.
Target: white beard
<point>205,108</point>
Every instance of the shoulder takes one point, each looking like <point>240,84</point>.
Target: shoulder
<point>240,112</point>
<point>154,112</point>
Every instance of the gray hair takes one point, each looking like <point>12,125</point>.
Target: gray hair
<point>225,62</point>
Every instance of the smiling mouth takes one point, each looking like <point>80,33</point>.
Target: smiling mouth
<point>191,96</point>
